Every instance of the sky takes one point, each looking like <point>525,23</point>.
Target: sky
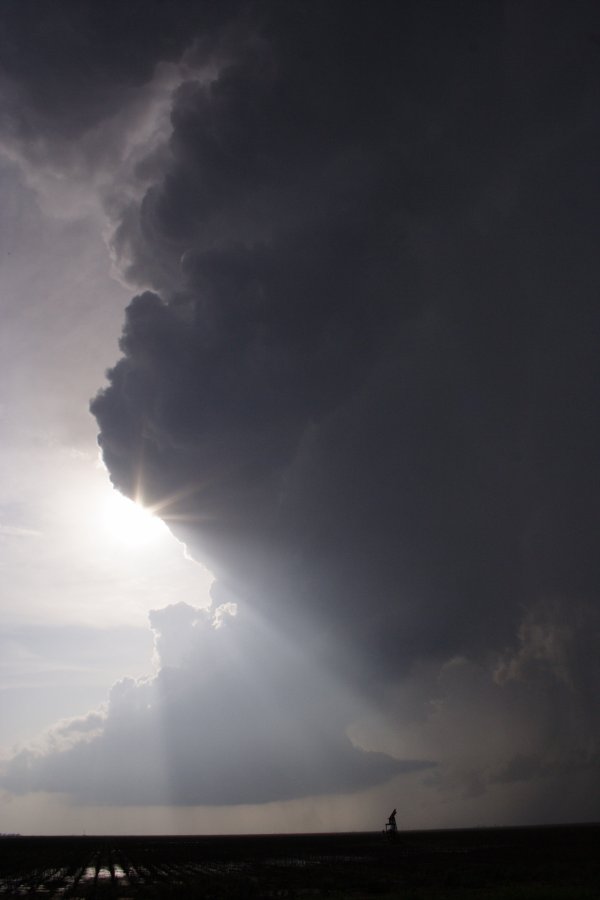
<point>300,508</point>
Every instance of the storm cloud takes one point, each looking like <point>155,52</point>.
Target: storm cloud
<point>233,716</point>
<point>368,367</point>
<point>67,65</point>
<point>359,379</point>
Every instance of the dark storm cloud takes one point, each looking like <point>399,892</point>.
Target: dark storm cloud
<point>361,375</point>
<point>67,64</point>
<point>372,373</point>
<point>230,718</point>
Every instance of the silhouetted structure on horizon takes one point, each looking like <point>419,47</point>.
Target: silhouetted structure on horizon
<point>391,829</point>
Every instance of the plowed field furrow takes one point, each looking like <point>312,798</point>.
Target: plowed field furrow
<point>498,864</point>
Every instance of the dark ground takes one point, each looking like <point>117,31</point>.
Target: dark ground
<point>553,863</point>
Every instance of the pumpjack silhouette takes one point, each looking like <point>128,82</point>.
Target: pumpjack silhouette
<point>391,829</point>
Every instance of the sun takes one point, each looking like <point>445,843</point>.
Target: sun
<point>129,523</point>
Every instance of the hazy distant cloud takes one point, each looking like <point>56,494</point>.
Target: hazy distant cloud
<point>234,719</point>
<point>239,714</point>
<point>18,531</point>
<point>527,747</point>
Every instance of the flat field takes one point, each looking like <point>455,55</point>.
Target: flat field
<point>550,863</point>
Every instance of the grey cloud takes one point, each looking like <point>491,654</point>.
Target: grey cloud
<point>68,64</point>
<point>236,720</point>
<point>533,768</point>
<point>369,368</point>
<point>520,768</point>
<point>91,722</point>
<point>532,726</point>
<point>361,374</point>
<point>520,750</point>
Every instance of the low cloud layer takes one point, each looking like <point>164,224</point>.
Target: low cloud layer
<point>360,379</point>
<point>236,715</point>
<point>233,716</point>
